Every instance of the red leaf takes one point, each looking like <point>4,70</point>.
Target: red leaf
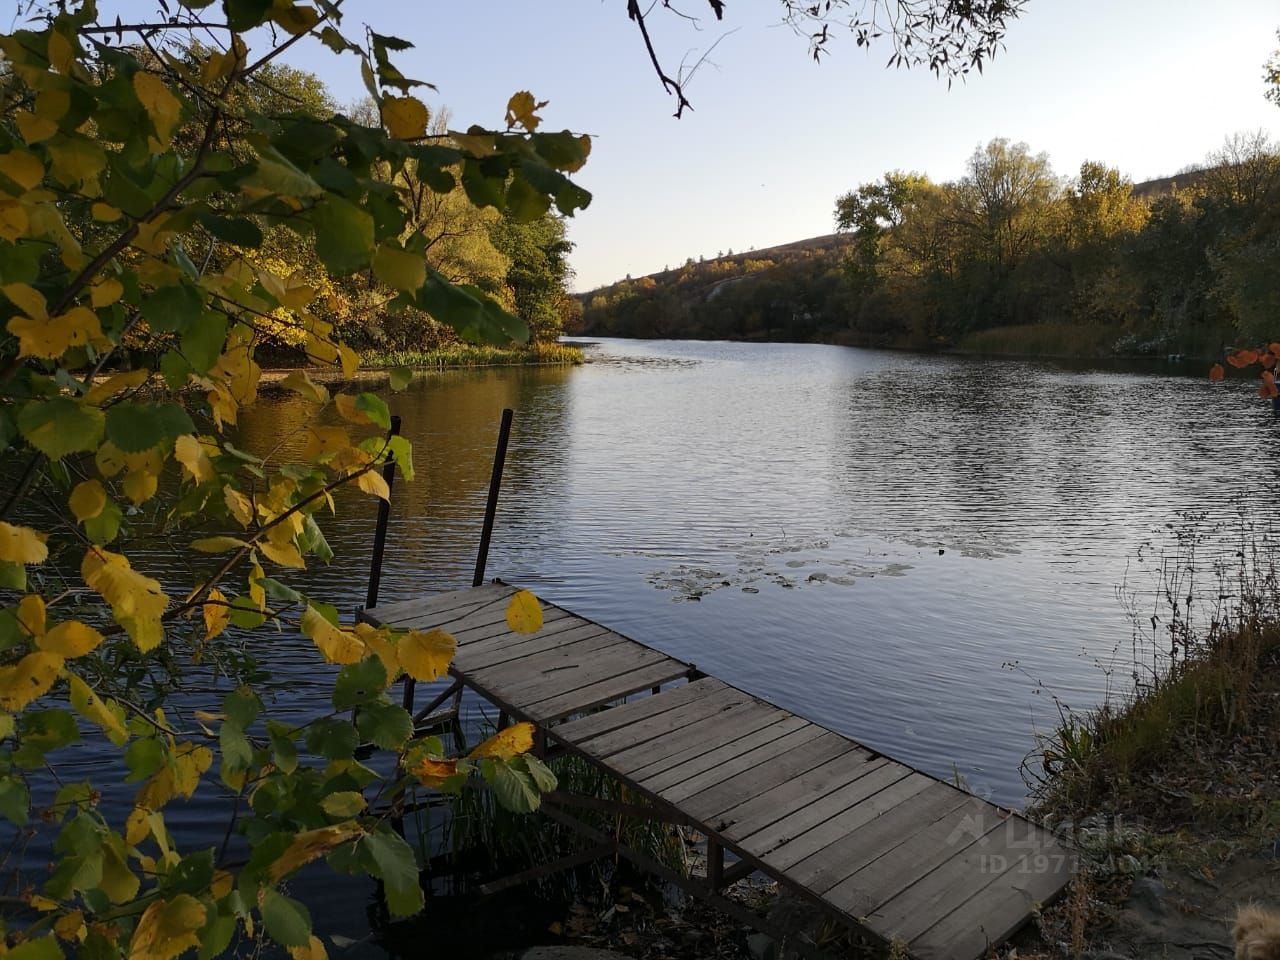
<point>1216,372</point>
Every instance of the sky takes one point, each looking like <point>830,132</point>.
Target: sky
<point>1148,86</point>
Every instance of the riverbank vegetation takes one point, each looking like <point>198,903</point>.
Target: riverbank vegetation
<point>1009,258</point>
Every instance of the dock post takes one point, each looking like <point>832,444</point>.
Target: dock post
<point>491,506</point>
<point>380,531</point>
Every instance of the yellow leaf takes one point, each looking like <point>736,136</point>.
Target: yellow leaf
<point>70,639</point>
<point>105,292</point>
<point>177,778</point>
<point>240,506</point>
<point>257,593</point>
<point>426,655</point>
<point>77,161</point>
<point>190,452</point>
<point>520,109</point>
<point>223,883</point>
<point>283,552</point>
<point>99,393</point>
<point>377,640</point>
<point>217,544</point>
<point>167,927</point>
<point>137,601</point>
<point>405,117</point>
<point>350,360</point>
<point>29,678</point>
<point>314,950</point>
<point>14,222</point>
<point>216,614</point>
<point>22,544</point>
<point>61,53</point>
<point>399,268</point>
<point>71,926</point>
<point>507,743</point>
<point>87,500</point>
<point>140,486</point>
<point>296,20</point>
<point>45,339</point>
<point>109,458</point>
<point>109,716</point>
<point>43,904</point>
<point>118,882</point>
<point>31,614</point>
<point>24,169</point>
<point>310,844</point>
<point>372,482</point>
<point>478,145</point>
<point>33,128</point>
<point>136,827</point>
<point>162,107</point>
<point>524,613</point>
<point>304,386</point>
<point>324,442</point>
<point>347,409</point>
<point>105,213</point>
<point>337,645</point>
<point>6,725</point>
<point>432,773</point>
<point>27,299</point>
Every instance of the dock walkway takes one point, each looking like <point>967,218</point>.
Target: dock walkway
<point>870,841</point>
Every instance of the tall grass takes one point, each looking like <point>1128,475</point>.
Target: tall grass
<point>1202,671</point>
<point>472,355</point>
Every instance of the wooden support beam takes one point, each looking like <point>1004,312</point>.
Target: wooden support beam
<point>598,852</point>
<point>453,689</point>
<point>739,871</point>
<point>614,807</point>
<point>715,865</point>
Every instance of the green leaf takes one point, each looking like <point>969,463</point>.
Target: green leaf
<point>287,921</point>
<point>284,752</point>
<point>402,454</point>
<point>13,576</point>
<point>359,683</point>
<point>203,341</point>
<point>344,804</point>
<point>215,936</point>
<point>143,758</point>
<point>134,427</point>
<point>394,864</point>
<point>61,426</point>
<point>236,230</point>
<point>331,738</point>
<point>543,777</point>
<point>244,15</point>
<point>385,725</point>
<point>279,591</point>
<point>242,707</point>
<point>245,615</point>
<point>469,312</point>
<point>315,543</point>
<point>344,235</point>
<point>42,732</point>
<point>237,754</point>
<point>512,788</point>
<point>192,874</point>
<point>375,408</point>
<point>175,369</point>
<point>104,528</point>
<point>42,948</point>
<point>400,377</point>
<point>14,800</point>
<point>398,268</point>
<point>172,309</point>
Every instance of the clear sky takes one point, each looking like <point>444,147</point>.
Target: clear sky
<point>1149,86</point>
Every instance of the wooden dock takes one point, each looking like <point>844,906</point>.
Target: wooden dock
<point>868,840</point>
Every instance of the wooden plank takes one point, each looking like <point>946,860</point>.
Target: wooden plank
<point>690,763</point>
<point>886,877</point>
<point>951,885</point>
<point>570,643</point>
<point>441,604</point>
<point>587,728</point>
<point>823,870</point>
<point>553,619</point>
<point>996,912</point>
<point>560,653</point>
<point>704,735</point>
<point>612,661</point>
<point>641,732</point>
<point>606,691</point>
<point>753,773</point>
<point>495,611</point>
<point>780,849</point>
<point>773,805</point>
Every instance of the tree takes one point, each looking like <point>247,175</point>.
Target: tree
<point>538,254</point>
<point>1003,201</point>
<point>138,186</point>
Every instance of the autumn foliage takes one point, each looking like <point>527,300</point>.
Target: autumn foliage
<point>136,189</point>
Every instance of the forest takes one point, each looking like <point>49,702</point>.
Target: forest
<point>1009,258</point>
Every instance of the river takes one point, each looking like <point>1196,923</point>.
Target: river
<point>918,551</point>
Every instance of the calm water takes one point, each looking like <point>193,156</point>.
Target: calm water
<point>873,540</point>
